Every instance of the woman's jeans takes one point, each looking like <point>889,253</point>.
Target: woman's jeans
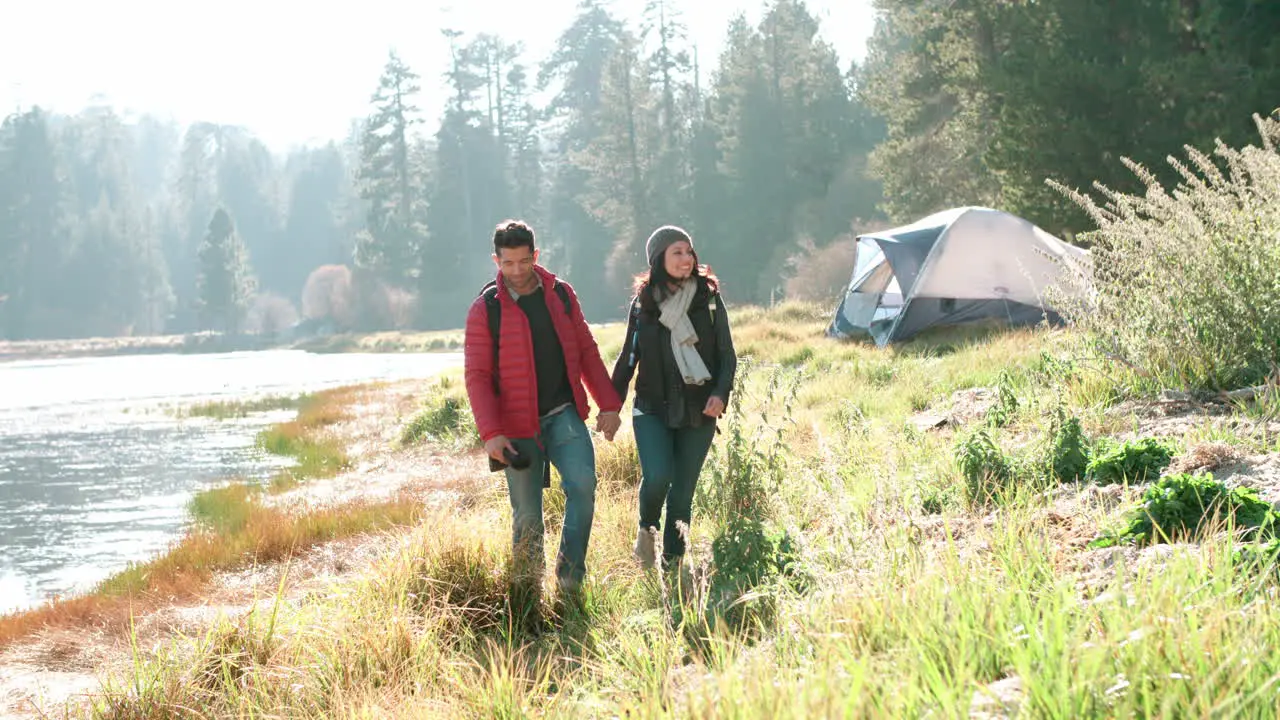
<point>670,462</point>
<point>568,446</point>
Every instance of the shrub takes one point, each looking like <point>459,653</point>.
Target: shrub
<point>1186,291</point>
<point>820,274</point>
<point>1068,448</point>
<point>987,471</point>
<point>1183,507</point>
<point>1258,558</point>
<point>1006,406</point>
<point>1134,461</point>
<point>990,474</point>
<point>270,313</point>
<point>378,305</point>
<point>327,295</point>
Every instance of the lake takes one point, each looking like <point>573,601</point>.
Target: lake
<point>96,467</point>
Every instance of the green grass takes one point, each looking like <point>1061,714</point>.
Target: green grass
<point>317,453</point>
<point>234,409</point>
<point>445,418</point>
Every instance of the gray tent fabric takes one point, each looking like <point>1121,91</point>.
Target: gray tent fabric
<point>957,266</point>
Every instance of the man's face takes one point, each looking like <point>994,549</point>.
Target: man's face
<point>516,266</point>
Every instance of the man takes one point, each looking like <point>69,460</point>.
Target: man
<point>528,399</point>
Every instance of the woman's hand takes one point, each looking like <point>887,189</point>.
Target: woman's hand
<point>715,406</point>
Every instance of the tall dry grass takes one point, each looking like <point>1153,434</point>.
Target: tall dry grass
<point>884,592</point>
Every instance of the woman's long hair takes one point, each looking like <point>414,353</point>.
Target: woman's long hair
<point>651,286</point>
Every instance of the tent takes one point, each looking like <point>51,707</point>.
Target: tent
<point>953,267</point>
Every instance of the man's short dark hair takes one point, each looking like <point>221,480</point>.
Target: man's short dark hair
<point>512,234</point>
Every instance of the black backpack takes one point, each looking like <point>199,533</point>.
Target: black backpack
<point>493,309</point>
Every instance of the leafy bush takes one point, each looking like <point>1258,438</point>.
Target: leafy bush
<point>991,475</point>
<point>986,469</point>
<point>933,494</point>
<point>748,554</point>
<point>1061,454</point>
<point>1183,506</point>
<point>1068,448</point>
<point>1185,281</point>
<point>1134,461</point>
<point>1006,405</point>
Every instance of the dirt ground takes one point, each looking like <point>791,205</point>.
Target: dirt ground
<point>57,669</point>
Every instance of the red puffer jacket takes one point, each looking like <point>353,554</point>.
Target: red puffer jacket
<point>514,412</point>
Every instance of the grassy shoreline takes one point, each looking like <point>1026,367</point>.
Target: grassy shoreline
<point>231,525</point>
<point>847,560</point>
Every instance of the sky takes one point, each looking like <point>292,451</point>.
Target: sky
<point>296,72</point>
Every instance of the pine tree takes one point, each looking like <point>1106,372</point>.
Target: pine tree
<point>470,187</point>
<point>392,185</point>
<point>523,146</point>
<point>226,284</point>
<point>620,164</point>
<point>313,235</point>
<point>781,109</point>
<point>675,105</point>
<point>576,68</point>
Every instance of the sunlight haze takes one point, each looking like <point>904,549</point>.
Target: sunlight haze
<point>297,73</point>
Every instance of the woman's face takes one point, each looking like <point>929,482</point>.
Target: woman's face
<point>679,260</point>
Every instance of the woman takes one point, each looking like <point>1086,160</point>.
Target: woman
<point>679,348</point>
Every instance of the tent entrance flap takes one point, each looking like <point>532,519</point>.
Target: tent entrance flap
<point>874,297</point>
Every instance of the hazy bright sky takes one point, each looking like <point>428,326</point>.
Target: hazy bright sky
<point>292,71</point>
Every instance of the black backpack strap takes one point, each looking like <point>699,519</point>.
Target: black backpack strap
<point>493,311</point>
<point>633,324</point>
<point>563,292</point>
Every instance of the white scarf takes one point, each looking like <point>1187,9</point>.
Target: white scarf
<point>675,316</point>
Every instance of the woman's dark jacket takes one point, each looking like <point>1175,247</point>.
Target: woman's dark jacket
<point>647,354</point>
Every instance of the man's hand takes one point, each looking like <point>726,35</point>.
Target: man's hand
<point>715,406</point>
<point>496,445</point>
<point>608,424</point>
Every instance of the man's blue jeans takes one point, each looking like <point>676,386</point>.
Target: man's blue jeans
<point>567,444</point>
<point>670,461</point>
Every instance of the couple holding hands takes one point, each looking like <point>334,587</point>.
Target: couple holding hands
<point>531,358</point>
